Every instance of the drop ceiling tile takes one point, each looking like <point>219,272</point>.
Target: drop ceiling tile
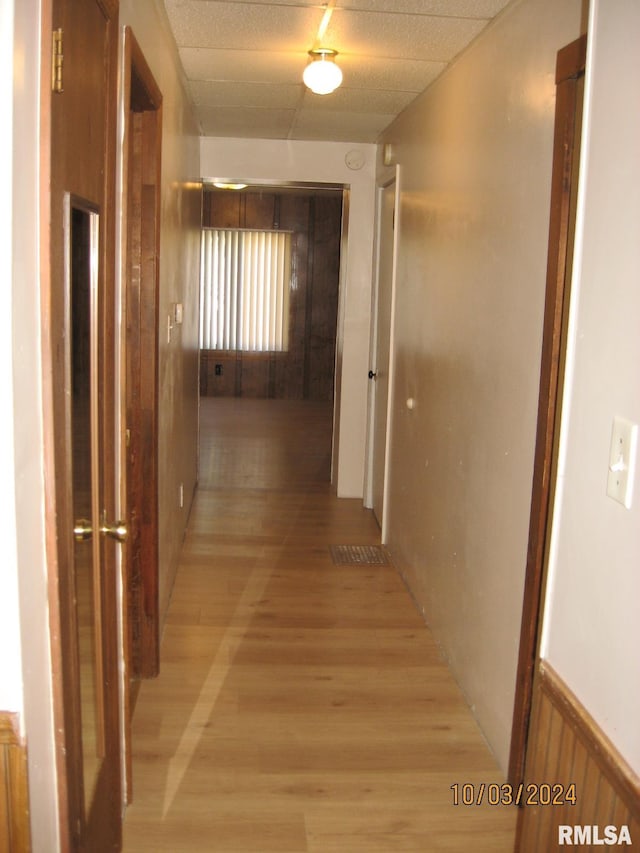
<point>265,95</point>
<point>244,61</point>
<point>358,101</point>
<point>373,72</point>
<point>401,36</point>
<point>361,72</point>
<point>448,8</point>
<point>338,126</point>
<point>243,66</point>
<point>314,3</point>
<point>246,122</point>
<point>244,26</point>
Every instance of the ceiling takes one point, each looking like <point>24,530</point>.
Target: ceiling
<point>243,60</point>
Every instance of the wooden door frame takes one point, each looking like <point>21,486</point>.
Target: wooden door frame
<point>570,66</point>
<point>142,109</point>
<point>394,182</point>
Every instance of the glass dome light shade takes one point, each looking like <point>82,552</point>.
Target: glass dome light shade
<point>322,75</point>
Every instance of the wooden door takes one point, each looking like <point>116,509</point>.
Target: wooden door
<point>381,372</point>
<point>79,331</point>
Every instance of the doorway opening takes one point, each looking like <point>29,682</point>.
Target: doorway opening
<point>305,369</point>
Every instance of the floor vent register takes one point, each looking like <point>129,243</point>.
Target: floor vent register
<point>359,555</point>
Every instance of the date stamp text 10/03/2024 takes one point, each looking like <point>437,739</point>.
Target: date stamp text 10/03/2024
<point>496,794</point>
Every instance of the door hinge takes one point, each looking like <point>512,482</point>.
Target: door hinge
<point>57,60</point>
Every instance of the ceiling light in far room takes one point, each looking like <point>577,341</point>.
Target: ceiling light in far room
<point>322,75</point>
<point>221,185</point>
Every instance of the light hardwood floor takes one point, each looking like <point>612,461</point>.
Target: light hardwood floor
<point>301,706</point>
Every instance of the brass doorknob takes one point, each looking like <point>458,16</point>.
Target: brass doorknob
<point>117,531</point>
<point>82,530</point>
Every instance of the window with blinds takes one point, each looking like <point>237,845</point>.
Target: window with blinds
<point>244,290</point>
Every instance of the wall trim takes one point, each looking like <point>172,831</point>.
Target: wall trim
<point>570,67</point>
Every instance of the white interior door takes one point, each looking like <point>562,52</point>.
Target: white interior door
<point>382,372</point>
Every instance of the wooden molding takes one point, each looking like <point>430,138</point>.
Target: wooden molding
<point>148,95</point>
<point>109,8</point>
<point>143,142</point>
<point>569,69</point>
<point>141,202</point>
<point>571,60</point>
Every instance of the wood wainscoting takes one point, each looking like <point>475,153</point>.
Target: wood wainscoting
<point>15,834</point>
<point>566,747</point>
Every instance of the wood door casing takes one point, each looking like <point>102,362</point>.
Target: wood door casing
<point>382,367</point>
<point>141,203</point>
<point>143,134</point>
<point>569,81</point>
<point>81,148</point>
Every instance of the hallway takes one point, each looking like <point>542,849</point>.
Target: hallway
<point>301,705</point>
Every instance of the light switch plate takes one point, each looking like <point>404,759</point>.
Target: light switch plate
<point>622,461</point>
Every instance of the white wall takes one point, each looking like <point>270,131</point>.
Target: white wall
<point>475,154</point>
<point>179,280</point>
<point>10,664</point>
<point>592,618</point>
<point>279,161</point>
<point>25,541</point>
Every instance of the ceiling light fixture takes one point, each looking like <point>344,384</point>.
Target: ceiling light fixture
<point>225,186</point>
<point>322,75</point>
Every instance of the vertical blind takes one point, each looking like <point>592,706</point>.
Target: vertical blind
<point>244,290</point>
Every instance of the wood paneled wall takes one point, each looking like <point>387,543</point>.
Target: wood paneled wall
<point>306,370</point>
<point>15,835</point>
<point>566,748</point>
